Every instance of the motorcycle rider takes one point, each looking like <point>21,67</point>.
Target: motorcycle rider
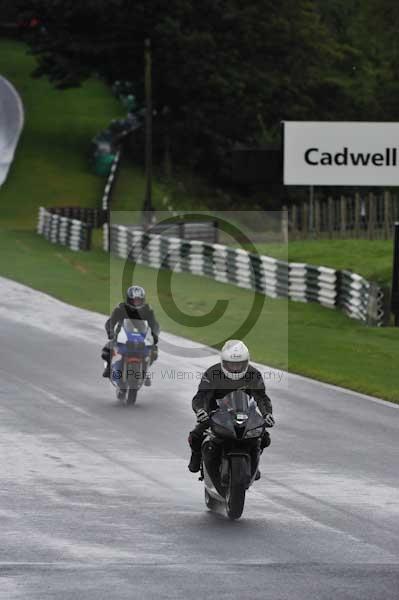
<point>134,307</point>
<point>233,372</point>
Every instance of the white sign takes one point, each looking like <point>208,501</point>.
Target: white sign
<point>339,153</point>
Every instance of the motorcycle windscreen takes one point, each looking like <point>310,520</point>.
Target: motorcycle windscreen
<point>237,401</point>
<point>135,326</point>
<point>222,424</point>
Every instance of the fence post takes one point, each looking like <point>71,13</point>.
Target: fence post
<point>371,216</point>
<point>317,217</point>
<point>305,221</point>
<point>311,210</point>
<point>294,221</point>
<point>323,219</point>
<point>395,212</point>
<point>330,217</point>
<point>386,305</point>
<point>284,225</point>
<point>395,276</point>
<point>387,219</point>
<point>343,216</point>
<point>357,214</point>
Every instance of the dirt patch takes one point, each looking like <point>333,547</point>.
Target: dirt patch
<point>76,265</point>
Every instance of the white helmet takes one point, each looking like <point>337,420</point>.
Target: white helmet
<point>234,359</point>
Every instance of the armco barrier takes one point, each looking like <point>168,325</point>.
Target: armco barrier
<point>93,217</point>
<point>358,298</point>
<point>205,231</point>
<point>74,233</point>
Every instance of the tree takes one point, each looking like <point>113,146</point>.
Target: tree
<point>220,67</point>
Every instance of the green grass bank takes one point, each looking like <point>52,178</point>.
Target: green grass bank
<point>370,258</point>
<point>51,165</point>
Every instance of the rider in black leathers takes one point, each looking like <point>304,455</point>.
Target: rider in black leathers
<point>135,307</point>
<point>215,384</point>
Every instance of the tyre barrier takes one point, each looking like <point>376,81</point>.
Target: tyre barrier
<point>358,298</point>
<point>106,199</point>
<point>107,196</point>
<point>66,230</point>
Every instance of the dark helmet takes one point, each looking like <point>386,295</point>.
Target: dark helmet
<point>135,296</point>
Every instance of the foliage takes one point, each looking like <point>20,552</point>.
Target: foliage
<point>223,69</point>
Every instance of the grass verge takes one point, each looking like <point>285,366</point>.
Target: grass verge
<point>51,167</point>
<point>370,258</point>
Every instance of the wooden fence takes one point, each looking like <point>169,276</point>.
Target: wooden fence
<point>370,216</point>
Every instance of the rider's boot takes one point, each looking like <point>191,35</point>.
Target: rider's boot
<point>195,462</point>
<point>147,380</point>
<point>107,371</point>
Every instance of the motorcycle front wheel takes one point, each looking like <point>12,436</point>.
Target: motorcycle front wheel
<point>131,397</point>
<point>235,494</point>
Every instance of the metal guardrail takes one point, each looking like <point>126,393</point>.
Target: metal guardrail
<point>91,216</point>
<point>205,231</point>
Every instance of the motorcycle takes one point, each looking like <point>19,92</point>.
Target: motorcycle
<point>130,358</point>
<point>231,452</point>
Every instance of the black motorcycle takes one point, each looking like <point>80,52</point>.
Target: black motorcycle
<point>231,452</point>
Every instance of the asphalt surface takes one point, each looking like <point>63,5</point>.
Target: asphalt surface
<point>96,501</point>
<point>11,123</point>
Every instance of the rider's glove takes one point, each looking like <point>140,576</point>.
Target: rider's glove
<point>110,335</point>
<point>154,352</point>
<point>202,416</point>
<point>269,419</point>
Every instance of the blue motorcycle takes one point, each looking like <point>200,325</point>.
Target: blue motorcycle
<point>130,359</point>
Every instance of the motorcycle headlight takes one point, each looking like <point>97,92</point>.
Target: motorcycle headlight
<point>254,433</point>
<point>240,418</point>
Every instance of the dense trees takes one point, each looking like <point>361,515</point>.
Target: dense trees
<point>230,70</point>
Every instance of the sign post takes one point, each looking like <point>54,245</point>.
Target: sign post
<point>395,276</point>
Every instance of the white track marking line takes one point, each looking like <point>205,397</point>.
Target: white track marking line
<point>61,401</point>
<point>50,395</point>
